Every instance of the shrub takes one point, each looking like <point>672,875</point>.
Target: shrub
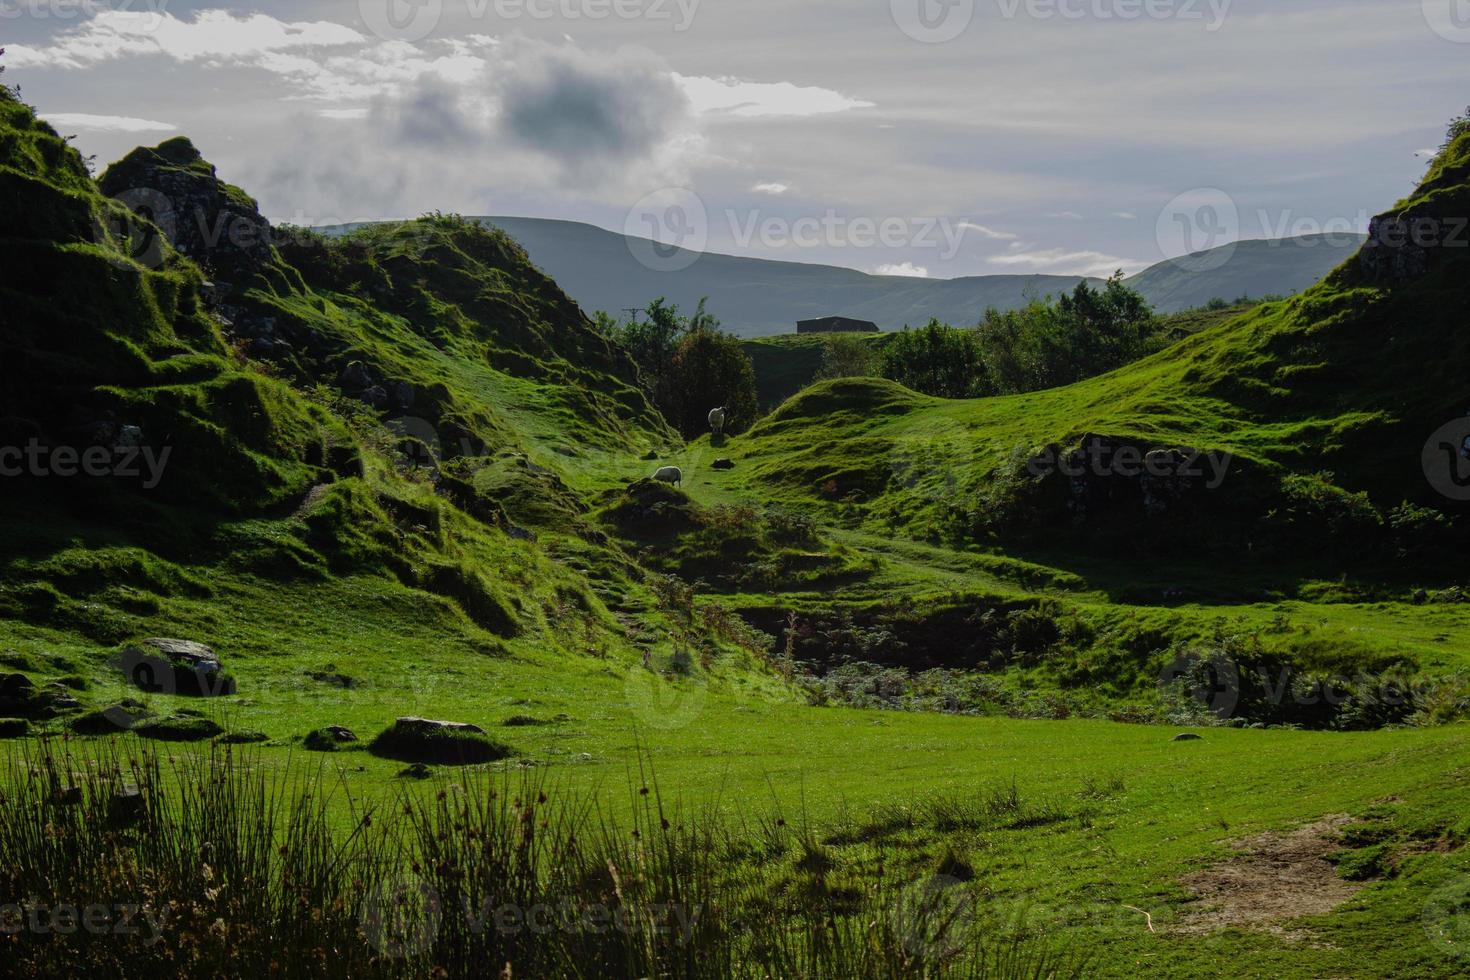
<point>407,742</point>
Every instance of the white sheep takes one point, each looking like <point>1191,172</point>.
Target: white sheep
<point>717,420</point>
<point>669,474</point>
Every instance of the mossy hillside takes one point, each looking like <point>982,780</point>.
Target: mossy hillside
<point>276,473</point>
<point>1348,379</point>
<point>727,548</point>
<point>93,340</point>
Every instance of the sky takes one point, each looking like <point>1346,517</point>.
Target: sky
<point>909,137</point>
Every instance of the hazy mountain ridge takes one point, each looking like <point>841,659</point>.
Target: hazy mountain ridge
<point>760,297</point>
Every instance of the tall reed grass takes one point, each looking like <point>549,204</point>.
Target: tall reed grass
<point>209,863</point>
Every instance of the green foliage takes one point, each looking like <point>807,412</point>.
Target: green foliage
<point>848,356</point>
<point>1459,126</point>
<point>936,359</point>
<point>690,366</point>
<point>712,371</point>
<point>1050,343</point>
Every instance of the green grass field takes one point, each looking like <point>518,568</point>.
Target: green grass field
<point>427,496</point>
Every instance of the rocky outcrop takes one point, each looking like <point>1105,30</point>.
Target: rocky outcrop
<point>169,666</point>
<point>213,223</point>
<point>1398,249</point>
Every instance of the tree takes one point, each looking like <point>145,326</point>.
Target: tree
<point>689,366</point>
<point>653,343</point>
<point>713,370</point>
<point>936,359</point>
<point>1458,127</point>
<point>1049,343</point>
<point>848,356</point>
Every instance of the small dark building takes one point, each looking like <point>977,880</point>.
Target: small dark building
<point>836,324</point>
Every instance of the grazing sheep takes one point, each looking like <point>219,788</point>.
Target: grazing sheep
<point>717,420</point>
<point>669,474</point>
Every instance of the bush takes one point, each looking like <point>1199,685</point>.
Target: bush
<point>407,742</point>
<point>937,360</point>
<point>1050,343</point>
<point>689,365</point>
<point>178,729</point>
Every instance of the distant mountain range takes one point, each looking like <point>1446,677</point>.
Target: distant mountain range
<point>761,297</point>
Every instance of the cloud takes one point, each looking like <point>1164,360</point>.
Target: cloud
<point>584,109</point>
<point>213,36</point>
<point>987,232</point>
<point>106,124</point>
<point>902,269</point>
<point>771,187</point>
<point>1067,215</point>
<point>1125,215</point>
<point>735,97</point>
<point>534,119</point>
<point>1060,261</point>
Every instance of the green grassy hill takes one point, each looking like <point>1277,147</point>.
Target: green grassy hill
<point>878,664</point>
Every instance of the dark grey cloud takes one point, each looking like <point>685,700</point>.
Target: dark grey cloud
<point>586,109</point>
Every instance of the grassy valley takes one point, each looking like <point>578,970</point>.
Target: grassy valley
<point>1162,672</point>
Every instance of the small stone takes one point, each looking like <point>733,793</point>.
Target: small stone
<point>1186,737</point>
<point>723,463</point>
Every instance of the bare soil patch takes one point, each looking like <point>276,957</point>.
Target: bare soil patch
<point>1272,879</point>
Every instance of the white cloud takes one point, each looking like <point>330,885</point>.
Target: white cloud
<point>771,187</point>
<point>1060,261</point>
<point>106,124</point>
<point>987,232</point>
<point>735,97</point>
<point>1067,215</point>
<point>213,36</point>
<point>902,269</point>
<point>1125,215</point>
<point>342,113</point>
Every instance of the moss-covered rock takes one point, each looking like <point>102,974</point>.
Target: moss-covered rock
<point>438,742</point>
